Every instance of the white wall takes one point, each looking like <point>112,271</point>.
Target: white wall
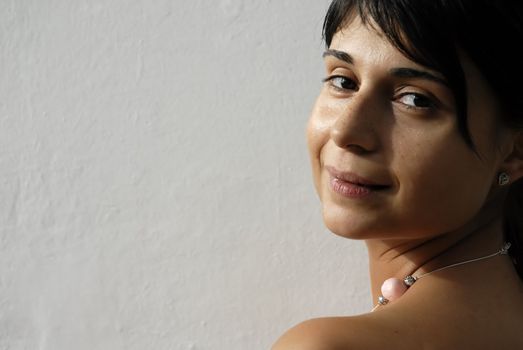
<point>154,182</point>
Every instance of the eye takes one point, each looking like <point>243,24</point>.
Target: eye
<point>415,100</point>
<point>341,83</point>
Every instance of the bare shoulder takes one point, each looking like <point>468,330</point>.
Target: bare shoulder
<point>344,333</point>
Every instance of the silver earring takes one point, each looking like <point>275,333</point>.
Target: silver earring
<point>503,179</point>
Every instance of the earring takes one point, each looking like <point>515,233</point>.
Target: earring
<point>503,179</point>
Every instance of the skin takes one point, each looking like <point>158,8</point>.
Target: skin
<point>442,203</point>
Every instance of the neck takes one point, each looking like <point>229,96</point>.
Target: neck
<point>399,258</point>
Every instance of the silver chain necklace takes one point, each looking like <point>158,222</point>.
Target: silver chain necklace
<point>393,288</point>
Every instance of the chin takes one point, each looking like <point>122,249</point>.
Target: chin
<point>363,226</point>
<point>342,225</point>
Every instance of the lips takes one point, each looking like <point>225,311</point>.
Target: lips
<point>355,179</point>
<point>352,185</point>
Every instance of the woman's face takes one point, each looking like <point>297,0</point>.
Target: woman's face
<point>387,158</point>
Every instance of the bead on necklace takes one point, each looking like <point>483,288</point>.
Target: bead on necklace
<point>393,288</point>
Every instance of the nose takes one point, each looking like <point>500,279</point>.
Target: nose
<point>356,125</point>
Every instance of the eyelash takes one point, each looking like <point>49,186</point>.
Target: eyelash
<point>430,104</point>
<point>426,100</point>
<point>331,78</point>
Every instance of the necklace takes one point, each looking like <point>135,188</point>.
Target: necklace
<point>393,288</point>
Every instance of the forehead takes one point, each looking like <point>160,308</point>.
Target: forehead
<point>368,46</point>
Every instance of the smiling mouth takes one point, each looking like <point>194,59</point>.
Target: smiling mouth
<point>353,186</point>
<point>350,189</point>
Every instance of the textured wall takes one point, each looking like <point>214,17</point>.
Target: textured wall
<point>154,182</point>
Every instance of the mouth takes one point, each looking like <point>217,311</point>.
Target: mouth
<point>352,185</point>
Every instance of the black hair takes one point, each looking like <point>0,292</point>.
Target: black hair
<point>433,33</point>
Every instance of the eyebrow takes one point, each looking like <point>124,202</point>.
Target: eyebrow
<point>417,74</point>
<point>397,72</point>
<point>339,55</point>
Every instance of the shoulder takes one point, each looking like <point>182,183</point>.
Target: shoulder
<point>344,333</point>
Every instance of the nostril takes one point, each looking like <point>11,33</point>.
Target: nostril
<point>357,149</point>
<point>352,133</point>
<point>356,144</point>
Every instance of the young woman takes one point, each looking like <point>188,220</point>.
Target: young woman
<point>416,146</point>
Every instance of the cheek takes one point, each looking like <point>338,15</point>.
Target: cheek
<point>317,133</point>
<point>313,137</point>
<point>442,184</point>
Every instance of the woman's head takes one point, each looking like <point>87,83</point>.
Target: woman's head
<point>435,32</point>
<point>422,100</point>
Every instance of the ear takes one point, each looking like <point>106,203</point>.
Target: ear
<point>513,163</point>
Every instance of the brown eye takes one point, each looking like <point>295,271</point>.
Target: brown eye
<point>414,100</point>
<point>341,83</point>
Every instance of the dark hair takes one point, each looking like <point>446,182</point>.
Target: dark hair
<point>430,32</point>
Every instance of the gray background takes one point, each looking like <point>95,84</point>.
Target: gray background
<point>155,190</point>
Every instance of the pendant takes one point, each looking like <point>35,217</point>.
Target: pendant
<point>393,288</point>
